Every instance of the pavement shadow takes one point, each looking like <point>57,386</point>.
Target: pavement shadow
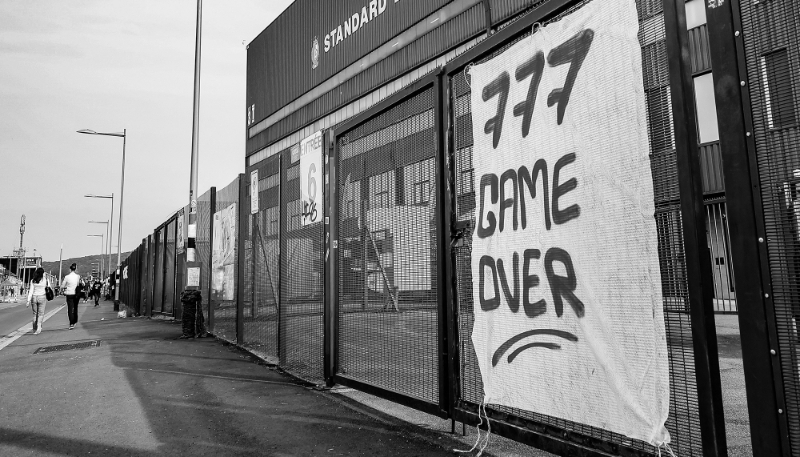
<point>203,397</point>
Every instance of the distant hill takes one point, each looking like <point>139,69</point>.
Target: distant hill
<point>84,263</point>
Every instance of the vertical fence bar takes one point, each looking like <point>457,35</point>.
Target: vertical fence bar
<point>330,289</point>
<point>443,265</point>
<point>286,161</point>
<point>209,275</point>
<point>243,212</point>
<point>698,262</point>
<point>451,235</point>
<point>763,380</point>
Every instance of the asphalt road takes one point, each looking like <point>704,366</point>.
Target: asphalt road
<point>14,315</point>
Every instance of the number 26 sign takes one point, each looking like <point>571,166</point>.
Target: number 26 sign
<point>311,178</point>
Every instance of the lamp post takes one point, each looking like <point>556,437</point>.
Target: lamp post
<point>111,223</point>
<point>123,135</point>
<point>102,245</point>
<point>108,243</point>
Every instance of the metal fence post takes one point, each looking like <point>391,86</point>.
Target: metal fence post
<point>209,275</point>
<point>698,260</point>
<point>243,209</point>
<point>763,379</point>
<point>444,265</point>
<point>330,260</point>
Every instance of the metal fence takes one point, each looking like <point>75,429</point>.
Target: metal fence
<point>379,296</point>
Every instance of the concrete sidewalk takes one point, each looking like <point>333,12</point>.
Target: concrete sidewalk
<point>143,392</point>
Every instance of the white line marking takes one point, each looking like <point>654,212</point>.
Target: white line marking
<point>5,341</point>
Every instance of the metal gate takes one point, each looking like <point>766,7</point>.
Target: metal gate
<point>260,314</point>
<point>388,320</point>
<point>158,272</point>
<point>169,267</point>
<point>225,261</point>
<point>301,276</point>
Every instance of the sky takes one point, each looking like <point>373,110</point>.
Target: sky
<point>109,65</point>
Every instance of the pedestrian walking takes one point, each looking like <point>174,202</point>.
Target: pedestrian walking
<point>37,298</point>
<point>97,289</point>
<point>71,286</point>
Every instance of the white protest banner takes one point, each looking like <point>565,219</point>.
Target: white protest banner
<point>311,178</point>
<point>568,302</point>
<point>254,192</point>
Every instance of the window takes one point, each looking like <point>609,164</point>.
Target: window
<point>706,109</point>
<point>778,98</point>
<point>418,182</point>
<point>695,13</point>
<point>382,190</point>
<point>465,170</point>
<point>351,195</point>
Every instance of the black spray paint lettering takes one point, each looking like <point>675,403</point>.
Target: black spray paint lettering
<point>572,51</point>
<point>521,179</point>
<point>533,68</point>
<point>499,86</point>
<point>562,288</point>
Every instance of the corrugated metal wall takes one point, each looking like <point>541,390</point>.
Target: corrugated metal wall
<point>279,59</point>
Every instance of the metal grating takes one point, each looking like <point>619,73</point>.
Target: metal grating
<point>224,307</point>
<point>772,51</point>
<point>388,250</point>
<point>262,270</point>
<point>683,422</point>
<point>301,280</point>
<point>67,347</point>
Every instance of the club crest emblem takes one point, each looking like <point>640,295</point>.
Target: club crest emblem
<point>315,53</point>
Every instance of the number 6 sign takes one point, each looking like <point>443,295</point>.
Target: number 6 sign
<point>310,175</point>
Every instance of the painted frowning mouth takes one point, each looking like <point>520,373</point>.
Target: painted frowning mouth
<point>498,354</point>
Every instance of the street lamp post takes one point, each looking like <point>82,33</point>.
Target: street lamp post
<point>102,245</point>
<point>123,135</point>
<point>106,248</point>
<point>111,223</point>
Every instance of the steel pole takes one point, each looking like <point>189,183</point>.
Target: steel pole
<point>190,241</point>
<point>60,258</point>
<point>119,228</point>
<point>111,229</point>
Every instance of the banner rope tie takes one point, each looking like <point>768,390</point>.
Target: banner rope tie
<point>478,428</point>
<point>488,432</point>
<point>666,448</point>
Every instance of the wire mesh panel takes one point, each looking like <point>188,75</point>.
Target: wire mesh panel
<point>169,275</point>
<point>262,264</point>
<point>772,51</point>
<point>224,259</point>
<point>388,250</point>
<point>144,275</point>
<point>158,272</point>
<point>203,246</point>
<point>301,274</point>
<point>683,422</point>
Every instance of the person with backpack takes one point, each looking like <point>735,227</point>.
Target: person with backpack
<point>37,298</point>
<point>72,285</point>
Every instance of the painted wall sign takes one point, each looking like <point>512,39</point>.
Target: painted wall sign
<point>254,192</point>
<point>354,22</point>
<point>311,187</point>
<point>568,302</point>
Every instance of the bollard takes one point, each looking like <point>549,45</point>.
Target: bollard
<point>193,321</point>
